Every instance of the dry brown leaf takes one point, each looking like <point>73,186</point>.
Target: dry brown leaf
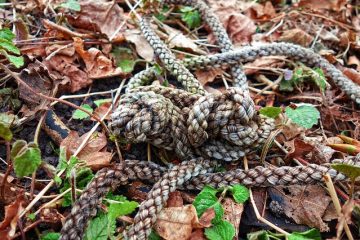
<point>64,66</point>
<point>198,234</point>
<point>101,110</point>
<point>335,5</point>
<point>142,46</point>
<point>177,222</point>
<point>175,200</point>
<point>177,39</point>
<point>259,11</point>
<point>239,27</point>
<point>92,153</point>
<point>304,204</point>
<point>99,16</point>
<point>298,148</point>
<point>208,75</point>
<point>232,213</point>
<point>345,217</point>
<point>97,64</point>
<point>297,36</point>
<point>263,62</point>
<point>12,212</point>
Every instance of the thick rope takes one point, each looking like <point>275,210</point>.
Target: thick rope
<point>86,206</point>
<point>251,53</point>
<point>216,126</point>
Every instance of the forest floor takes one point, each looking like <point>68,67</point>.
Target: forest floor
<point>84,52</point>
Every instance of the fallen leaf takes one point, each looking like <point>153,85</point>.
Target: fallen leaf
<point>101,110</point>
<point>298,148</point>
<point>142,46</point>
<point>232,213</point>
<point>304,204</point>
<point>198,234</point>
<point>261,11</point>
<point>99,16</point>
<point>77,78</point>
<point>208,75</point>
<point>92,153</point>
<point>352,74</point>
<point>239,27</point>
<point>97,64</point>
<point>177,39</point>
<point>297,36</point>
<point>263,62</point>
<point>345,217</point>
<point>175,200</point>
<point>335,5</point>
<point>12,212</point>
<point>177,222</point>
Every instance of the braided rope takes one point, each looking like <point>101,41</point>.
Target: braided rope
<point>251,53</point>
<point>86,206</point>
<point>217,126</point>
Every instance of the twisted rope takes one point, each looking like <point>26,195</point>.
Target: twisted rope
<point>193,123</point>
<point>121,174</point>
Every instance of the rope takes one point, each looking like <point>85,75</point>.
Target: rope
<point>195,123</point>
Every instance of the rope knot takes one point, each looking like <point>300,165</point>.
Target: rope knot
<point>212,112</point>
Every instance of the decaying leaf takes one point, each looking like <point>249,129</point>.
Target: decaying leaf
<point>99,16</point>
<point>12,212</point>
<point>178,39</point>
<point>92,153</point>
<point>239,27</point>
<point>177,222</point>
<point>143,48</point>
<point>335,5</point>
<point>207,76</point>
<point>304,204</point>
<point>233,212</point>
<point>298,148</point>
<point>97,64</point>
<point>63,65</point>
<point>297,36</point>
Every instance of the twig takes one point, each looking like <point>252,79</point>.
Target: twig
<point>258,216</point>
<point>335,200</point>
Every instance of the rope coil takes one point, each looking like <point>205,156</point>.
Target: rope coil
<point>194,123</point>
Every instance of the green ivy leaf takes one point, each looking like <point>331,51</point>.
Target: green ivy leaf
<point>264,235</point>
<point>7,34</point>
<point>124,59</point>
<point>318,76</point>
<point>26,158</point>
<point>312,234</point>
<point>72,5</point>
<point>271,112</point>
<point>9,46</point>
<point>98,228</point>
<point>207,199</point>
<point>304,115</point>
<point>154,236</point>
<point>240,193</point>
<point>121,208</point>
<point>5,132</point>
<point>79,114</point>
<point>351,171</point>
<point>190,16</point>
<point>16,61</point>
<point>221,231</point>
<point>50,236</point>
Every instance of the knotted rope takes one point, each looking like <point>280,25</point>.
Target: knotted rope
<point>193,123</point>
